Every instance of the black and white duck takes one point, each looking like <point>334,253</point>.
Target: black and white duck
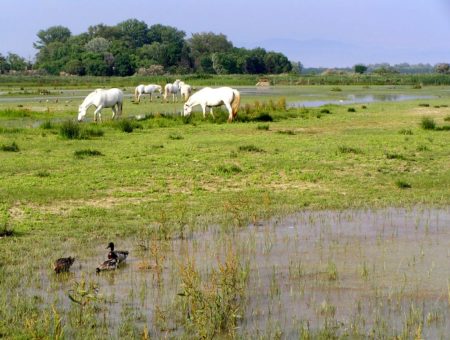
<point>63,264</point>
<point>119,255</point>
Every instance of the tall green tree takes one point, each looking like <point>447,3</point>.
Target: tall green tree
<point>53,34</point>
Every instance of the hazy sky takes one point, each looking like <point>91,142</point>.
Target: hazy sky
<point>314,32</point>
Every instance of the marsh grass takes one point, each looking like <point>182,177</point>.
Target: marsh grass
<point>212,306</point>
<point>428,123</point>
<point>250,148</point>
<point>264,127</point>
<point>229,169</point>
<point>349,149</point>
<point>87,153</point>
<point>13,147</point>
<point>402,184</point>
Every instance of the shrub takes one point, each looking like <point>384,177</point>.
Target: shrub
<point>263,127</point>
<point>263,117</point>
<point>351,109</point>
<point>229,169</point>
<point>70,130</point>
<point>250,148</point>
<point>325,111</point>
<point>405,132</point>
<point>47,125</point>
<point>87,152</point>
<point>286,132</point>
<point>428,123</point>
<point>125,126</point>
<point>13,147</point>
<point>424,105</point>
<point>348,149</point>
<point>402,184</point>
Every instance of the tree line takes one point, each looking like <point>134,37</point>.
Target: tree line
<point>133,47</point>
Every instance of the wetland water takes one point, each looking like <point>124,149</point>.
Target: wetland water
<point>375,271</point>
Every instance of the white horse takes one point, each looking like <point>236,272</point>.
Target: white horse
<point>100,98</point>
<point>143,89</point>
<point>185,90</point>
<point>209,97</point>
<point>172,89</point>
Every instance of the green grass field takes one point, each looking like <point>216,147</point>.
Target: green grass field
<point>171,177</point>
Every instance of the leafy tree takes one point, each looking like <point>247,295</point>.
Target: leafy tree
<point>97,45</point>
<point>133,32</point>
<point>224,63</point>
<point>104,31</point>
<point>442,68</point>
<point>75,67</point>
<point>360,68</point>
<point>16,62</point>
<point>4,65</point>
<point>277,63</point>
<point>123,65</point>
<point>96,65</point>
<point>53,34</point>
<point>202,44</point>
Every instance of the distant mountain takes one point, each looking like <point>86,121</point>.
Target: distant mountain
<point>331,53</point>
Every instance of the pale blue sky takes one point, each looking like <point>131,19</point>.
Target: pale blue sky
<point>315,32</point>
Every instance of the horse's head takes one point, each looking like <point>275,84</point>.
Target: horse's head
<point>187,109</point>
<point>81,112</point>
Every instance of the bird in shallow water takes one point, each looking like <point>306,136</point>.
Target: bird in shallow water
<point>63,264</point>
<point>109,264</point>
<point>119,255</point>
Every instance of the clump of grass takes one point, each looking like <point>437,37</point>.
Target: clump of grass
<point>363,107</point>
<point>351,109</point>
<point>43,173</point>
<point>336,89</point>
<point>326,111</point>
<point>424,105</point>
<point>349,149</point>
<point>47,125</point>
<point>423,148</point>
<point>125,125</point>
<point>263,127</point>
<point>70,130</point>
<point>405,132</point>
<point>91,132</point>
<point>229,169</point>
<point>417,86</point>
<point>447,119</point>
<point>390,155</point>
<point>87,153</point>
<point>5,229</point>
<point>250,148</point>
<point>402,184</point>
<point>13,147</point>
<point>211,307</point>
<point>286,132</point>
<point>263,117</point>
<point>10,130</point>
<point>428,123</point>
<point>175,136</point>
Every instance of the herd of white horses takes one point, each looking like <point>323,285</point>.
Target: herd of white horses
<point>207,98</point>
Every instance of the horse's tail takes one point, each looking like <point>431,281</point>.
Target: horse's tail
<point>236,102</point>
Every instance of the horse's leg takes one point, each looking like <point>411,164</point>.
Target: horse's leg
<point>139,98</point>
<point>204,111</point>
<point>230,112</point>
<point>97,113</point>
<point>211,112</point>
<point>113,108</point>
<point>150,97</point>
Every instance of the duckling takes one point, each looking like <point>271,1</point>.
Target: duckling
<point>119,255</point>
<point>110,264</point>
<point>63,264</point>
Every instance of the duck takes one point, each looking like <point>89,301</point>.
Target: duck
<point>109,264</point>
<point>119,255</point>
<point>63,264</point>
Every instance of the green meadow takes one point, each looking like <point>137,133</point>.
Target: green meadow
<point>185,195</point>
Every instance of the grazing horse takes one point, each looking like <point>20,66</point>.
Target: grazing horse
<point>100,98</point>
<point>172,89</point>
<point>209,97</point>
<point>185,90</point>
<point>143,89</point>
